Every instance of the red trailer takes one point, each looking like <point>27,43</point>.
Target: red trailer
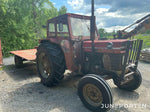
<point>24,55</point>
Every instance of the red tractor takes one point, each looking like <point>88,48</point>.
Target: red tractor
<point>73,43</point>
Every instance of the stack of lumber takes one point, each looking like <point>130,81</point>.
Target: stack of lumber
<point>145,55</point>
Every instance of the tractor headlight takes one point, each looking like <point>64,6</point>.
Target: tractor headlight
<point>109,45</point>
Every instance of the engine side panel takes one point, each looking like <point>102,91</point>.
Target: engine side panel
<point>106,46</point>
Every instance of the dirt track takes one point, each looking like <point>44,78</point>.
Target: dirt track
<point>21,91</point>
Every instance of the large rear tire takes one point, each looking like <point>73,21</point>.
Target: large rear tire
<point>134,83</point>
<point>50,64</point>
<point>95,93</point>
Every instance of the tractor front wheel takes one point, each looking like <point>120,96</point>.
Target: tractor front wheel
<point>132,84</point>
<point>50,64</point>
<point>95,93</point>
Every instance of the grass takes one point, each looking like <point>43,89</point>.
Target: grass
<point>3,67</point>
<point>146,40</point>
<point>7,67</point>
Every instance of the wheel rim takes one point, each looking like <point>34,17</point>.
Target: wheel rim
<point>44,65</point>
<point>92,95</point>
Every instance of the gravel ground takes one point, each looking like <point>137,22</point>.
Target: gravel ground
<point>21,91</point>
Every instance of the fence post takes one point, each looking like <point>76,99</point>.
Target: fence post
<point>1,56</point>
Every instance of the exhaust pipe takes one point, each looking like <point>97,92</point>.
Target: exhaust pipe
<point>92,31</point>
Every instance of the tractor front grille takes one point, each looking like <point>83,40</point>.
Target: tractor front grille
<point>119,62</point>
<point>132,55</point>
<point>133,51</point>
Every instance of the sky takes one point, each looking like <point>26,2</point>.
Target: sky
<point>110,14</point>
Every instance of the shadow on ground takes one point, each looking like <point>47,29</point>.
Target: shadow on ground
<point>18,74</point>
<point>126,95</point>
<point>34,97</point>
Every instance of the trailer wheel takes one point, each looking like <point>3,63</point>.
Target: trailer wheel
<point>95,93</point>
<point>18,62</point>
<point>134,83</point>
<point>50,64</point>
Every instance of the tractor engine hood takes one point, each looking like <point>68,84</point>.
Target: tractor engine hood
<point>106,46</point>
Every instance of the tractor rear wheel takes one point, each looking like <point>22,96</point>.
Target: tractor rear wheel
<point>134,83</point>
<point>95,93</point>
<point>18,62</point>
<point>50,64</point>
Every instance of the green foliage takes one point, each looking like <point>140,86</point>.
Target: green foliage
<point>104,34</point>
<point>145,38</point>
<point>21,22</point>
<point>62,10</point>
<point>146,32</point>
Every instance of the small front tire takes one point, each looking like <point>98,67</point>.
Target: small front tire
<point>133,84</point>
<point>95,93</point>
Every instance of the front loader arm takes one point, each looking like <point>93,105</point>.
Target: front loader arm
<point>142,26</point>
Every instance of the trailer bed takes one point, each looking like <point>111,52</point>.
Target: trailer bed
<point>29,54</point>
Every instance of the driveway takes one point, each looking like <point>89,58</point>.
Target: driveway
<point>21,91</point>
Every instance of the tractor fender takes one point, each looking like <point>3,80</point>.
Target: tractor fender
<point>44,40</point>
<point>59,44</point>
<point>54,43</point>
<point>66,49</point>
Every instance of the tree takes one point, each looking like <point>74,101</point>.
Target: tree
<point>146,32</point>
<point>102,33</point>
<point>62,10</point>
<point>21,22</point>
